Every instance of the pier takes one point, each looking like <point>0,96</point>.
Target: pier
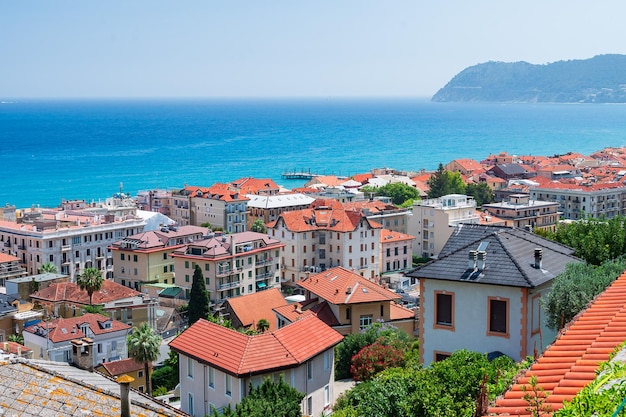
<point>299,175</point>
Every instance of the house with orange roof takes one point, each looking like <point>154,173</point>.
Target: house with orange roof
<point>218,365</point>
<point>495,183</point>
<point>67,300</point>
<point>245,311</point>
<point>396,251</point>
<point>556,172</point>
<point>324,236</point>
<point>232,265</point>
<point>267,208</point>
<point>583,199</point>
<point>51,340</point>
<point>256,186</point>
<point>484,292</point>
<point>128,366</point>
<point>464,166</point>
<point>362,178</point>
<point>16,349</point>
<point>324,181</point>
<point>145,257</point>
<point>571,362</point>
<point>349,303</point>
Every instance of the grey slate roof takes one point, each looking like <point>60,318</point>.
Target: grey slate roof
<point>509,261</point>
<point>5,304</point>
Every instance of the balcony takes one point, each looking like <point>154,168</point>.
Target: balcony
<point>228,285</point>
<point>66,248</point>
<point>261,277</point>
<point>260,262</point>
<point>21,247</point>
<point>227,271</point>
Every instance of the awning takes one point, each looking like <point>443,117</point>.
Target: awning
<point>261,284</point>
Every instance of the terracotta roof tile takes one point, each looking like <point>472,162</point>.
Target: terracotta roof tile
<point>341,286</point>
<point>240,354</point>
<point>68,291</point>
<point>293,312</point>
<point>122,366</point>
<point>250,308</point>
<point>570,363</point>
<point>62,329</point>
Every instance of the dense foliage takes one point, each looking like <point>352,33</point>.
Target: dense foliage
<point>452,387</point>
<point>573,289</point>
<point>400,194</point>
<point>595,240</point>
<point>482,193</point>
<point>143,347</point>
<point>353,343</point>
<point>275,399</point>
<point>375,358</point>
<point>167,376</point>
<point>258,226</point>
<point>444,182</point>
<point>198,298</point>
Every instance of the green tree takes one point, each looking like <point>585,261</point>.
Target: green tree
<point>143,347</point>
<point>482,193</point>
<point>398,192</point>
<point>17,338</point>
<point>573,289</point>
<point>444,182</point>
<point>258,226</point>
<point>91,281</point>
<point>271,399</point>
<point>262,325</point>
<point>48,268</point>
<point>198,298</point>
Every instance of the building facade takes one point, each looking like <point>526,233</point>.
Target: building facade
<point>522,212</point>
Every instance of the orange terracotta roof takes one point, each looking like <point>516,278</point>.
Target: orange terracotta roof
<point>399,312</point>
<point>362,178</point>
<point>562,185</point>
<point>240,354</point>
<point>5,257</point>
<point>122,366</point>
<point>373,206</point>
<point>341,286</point>
<point>68,291</point>
<point>251,185</point>
<point>13,347</point>
<point>325,313</point>
<point>322,218</point>
<point>388,236</point>
<point>292,312</point>
<point>570,363</point>
<point>62,329</point>
<point>250,308</point>
<point>469,164</point>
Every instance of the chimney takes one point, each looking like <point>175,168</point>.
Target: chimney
<point>482,257</point>
<point>538,257</point>
<point>124,382</point>
<point>82,353</point>
<point>471,264</point>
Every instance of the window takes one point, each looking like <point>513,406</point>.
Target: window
<point>134,258</point>
<point>327,360</point>
<point>211,377</point>
<point>388,252</point>
<point>498,316</point>
<point>228,382</point>
<point>190,399</point>
<point>365,321</point>
<point>440,356</point>
<point>186,277</point>
<point>536,314</point>
<point>186,264</point>
<point>207,281</point>
<point>309,405</point>
<point>206,267</point>
<point>190,367</point>
<point>140,374</point>
<point>165,255</point>
<point>348,313</point>
<point>309,370</point>
<point>326,395</point>
<point>444,310</point>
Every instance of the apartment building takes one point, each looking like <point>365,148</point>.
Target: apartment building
<point>221,206</point>
<point>396,251</point>
<point>10,268</point>
<point>383,212</point>
<point>267,208</point>
<point>145,257</point>
<point>433,221</point>
<point>72,237</point>
<point>232,265</point>
<point>324,236</point>
<point>522,212</point>
<point>580,200</point>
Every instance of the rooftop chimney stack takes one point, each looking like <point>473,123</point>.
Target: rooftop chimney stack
<point>482,257</point>
<point>124,382</point>
<point>471,264</point>
<point>538,258</point>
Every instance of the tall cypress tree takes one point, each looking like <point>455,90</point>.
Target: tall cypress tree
<point>198,298</point>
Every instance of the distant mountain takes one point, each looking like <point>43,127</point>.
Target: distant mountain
<point>601,79</point>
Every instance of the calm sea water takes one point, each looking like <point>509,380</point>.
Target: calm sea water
<point>84,149</point>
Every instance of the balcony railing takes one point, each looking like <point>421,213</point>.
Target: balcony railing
<point>228,285</point>
<point>66,248</point>
<point>263,261</point>
<point>227,272</point>
<point>260,277</point>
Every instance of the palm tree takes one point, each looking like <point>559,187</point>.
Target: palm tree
<point>48,268</point>
<point>143,347</point>
<point>91,281</point>
<point>262,325</point>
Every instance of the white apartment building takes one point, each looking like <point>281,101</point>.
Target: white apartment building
<point>433,221</point>
<point>72,238</point>
<point>324,236</point>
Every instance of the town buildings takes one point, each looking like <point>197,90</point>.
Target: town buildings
<point>433,221</point>
<point>396,251</point>
<point>145,257</point>
<point>245,311</point>
<point>218,365</point>
<point>349,303</point>
<point>267,208</point>
<point>128,366</point>
<point>232,265</point>
<point>10,268</point>
<point>484,293</point>
<point>324,236</point>
<point>72,238</point>
<point>522,212</point>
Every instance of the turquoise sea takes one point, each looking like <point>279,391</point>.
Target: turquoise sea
<point>53,150</point>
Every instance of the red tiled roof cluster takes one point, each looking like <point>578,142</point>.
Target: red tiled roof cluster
<point>323,217</point>
<point>240,354</point>
<point>251,185</point>
<point>62,329</point>
<point>341,286</point>
<point>71,292</point>
<point>570,363</point>
<point>250,308</point>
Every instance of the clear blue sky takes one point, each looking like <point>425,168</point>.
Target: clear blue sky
<point>267,48</point>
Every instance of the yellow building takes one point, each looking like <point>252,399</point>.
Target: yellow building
<point>128,367</point>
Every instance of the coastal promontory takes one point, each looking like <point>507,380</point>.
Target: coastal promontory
<point>601,79</point>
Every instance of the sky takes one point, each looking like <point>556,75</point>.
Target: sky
<point>270,48</point>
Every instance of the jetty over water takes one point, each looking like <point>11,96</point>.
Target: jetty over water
<point>299,175</point>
